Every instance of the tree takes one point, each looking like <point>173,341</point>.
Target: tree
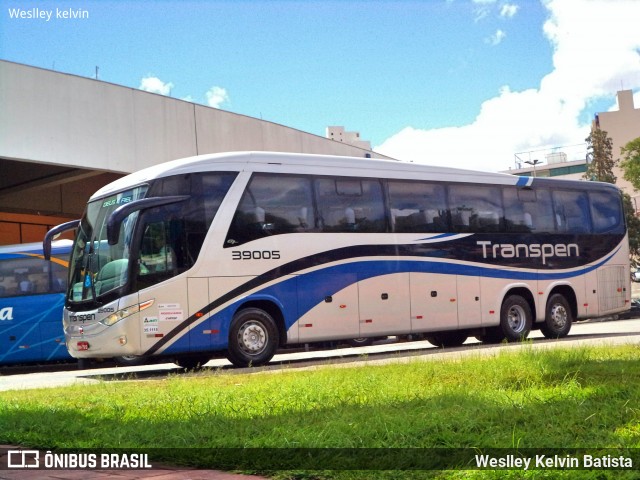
<point>600,168</point>
<point>630,163</point>
<point>599,150</point>
<point>633,228</point>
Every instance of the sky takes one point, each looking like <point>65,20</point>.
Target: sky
<point>464,83</point>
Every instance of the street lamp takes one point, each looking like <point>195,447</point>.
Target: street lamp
<point>533,163</point>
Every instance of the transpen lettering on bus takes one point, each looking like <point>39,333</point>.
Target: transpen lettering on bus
<point>241,254</point>
<point>535,250</point>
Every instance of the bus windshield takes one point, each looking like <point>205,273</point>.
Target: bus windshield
<point>97,268</point>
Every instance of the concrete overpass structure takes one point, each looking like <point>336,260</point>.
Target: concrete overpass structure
<point>63,136</point>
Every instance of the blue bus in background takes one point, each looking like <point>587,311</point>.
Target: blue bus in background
<point>32,292</point>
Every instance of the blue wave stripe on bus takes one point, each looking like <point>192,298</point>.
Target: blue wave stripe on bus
<point>524,181</point>
<point>444,236</point>
<point>299,294</point>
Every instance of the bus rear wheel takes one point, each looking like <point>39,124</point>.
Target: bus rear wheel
<point>446,339</point>
<point>192,362</point>
<point>491,335</point>
<point>515,318</point>
<point>558,318</point>
<point>253,338</point>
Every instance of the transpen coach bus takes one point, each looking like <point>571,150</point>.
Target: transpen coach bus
<point>240,254</point>
<point>32,295</point>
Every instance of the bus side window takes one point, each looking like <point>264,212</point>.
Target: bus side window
<point>350,204</point>
<point>25,276</point>
<point>572,211</point>
<point>476,208</point>
<point>605,212</point>
<point>272,205</point>
<point>417,207</point>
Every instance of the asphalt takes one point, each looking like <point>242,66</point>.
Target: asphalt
<point>157,472</point>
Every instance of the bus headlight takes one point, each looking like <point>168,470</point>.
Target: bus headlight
<point>124,313</point>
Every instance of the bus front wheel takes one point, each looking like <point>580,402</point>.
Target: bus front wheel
<point>558,318</point>
<point>130,360</point>
<point>253,338</point>
<point>515,318</point>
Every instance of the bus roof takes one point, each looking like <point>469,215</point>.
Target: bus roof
<point>36,247</point>
<point>311,164</point>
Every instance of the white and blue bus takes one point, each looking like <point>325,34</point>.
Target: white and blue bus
<point>32,295</point>
<point>240,254</point>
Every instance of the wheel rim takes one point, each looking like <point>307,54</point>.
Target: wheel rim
<point>517,318</point>
<point>558,316</point>
<point>252,337</point>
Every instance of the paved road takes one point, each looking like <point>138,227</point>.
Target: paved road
<point>620,331</point>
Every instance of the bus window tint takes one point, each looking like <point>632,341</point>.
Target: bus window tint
<point>605,212</point>
<point>475,208</point>
<point>272,205</point>
<point>527,210</point>
<point>173,234</point>
<point>212,191</point>
<point>350,205</point>
<point>572,211</point>
<point>58,279</point>
<point>417,207</point>
<point>30,276</point>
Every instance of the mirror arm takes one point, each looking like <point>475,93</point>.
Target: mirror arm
<point>48,238</point>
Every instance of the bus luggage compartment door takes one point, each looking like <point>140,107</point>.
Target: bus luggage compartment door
<point>328,307</point>
<point>385,307</point>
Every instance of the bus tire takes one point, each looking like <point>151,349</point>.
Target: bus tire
<point>192,362</point>
<point>253,338</point>
<point>491,335</point>
<point>446,339</point>
<point>84,364</point>
<point>558,317</point>
<point>360,342</point>
<point>130,360</point>
<point>515,318</point>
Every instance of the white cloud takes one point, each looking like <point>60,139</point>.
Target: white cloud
<point>596,47</point>
<point>155,85</point>
<point>508,10</point>
<point>482,9</point>
<point>216,96</point>
<point>496,38</point>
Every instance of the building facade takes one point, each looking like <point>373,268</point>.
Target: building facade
<point>64,136</point>
<point>350,138</point>
<point>622,126</point>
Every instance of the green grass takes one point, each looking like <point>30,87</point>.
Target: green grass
<point>561,398</point>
